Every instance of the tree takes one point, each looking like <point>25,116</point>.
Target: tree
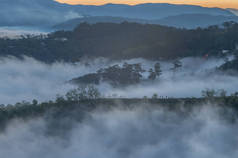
<point>228,24</point>
<point>208,93</point>
<point>235,94</point>
<point>83,92</point>
<point>155,96</point>
<point>72,95</point>
<point>222,93</point>
<point>59,98</point>
<point>34,102</point>
<point>93,93</point>
<point>177,64</point>
<point>138,68</point>
<point>152,75</point>
<point>158,70</point>
<point>145,97</point>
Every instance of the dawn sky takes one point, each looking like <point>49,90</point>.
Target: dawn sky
<point>207,3</point>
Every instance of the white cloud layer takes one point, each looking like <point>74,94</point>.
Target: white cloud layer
<point>141,132</point>
<point>30,79</point>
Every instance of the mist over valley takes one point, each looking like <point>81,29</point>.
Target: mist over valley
<point>133,81</point>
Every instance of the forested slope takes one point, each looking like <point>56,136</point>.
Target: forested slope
<point>124,41</point>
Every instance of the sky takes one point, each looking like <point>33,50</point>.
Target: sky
<point>206,3</point>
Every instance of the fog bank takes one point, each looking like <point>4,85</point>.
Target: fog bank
<point>29,79</point>
<point>195,75</point>
<point>19,32</point>
<point>139,132</point>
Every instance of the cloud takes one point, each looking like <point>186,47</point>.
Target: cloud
<point>30,79</point>
<point>195,75</point>
<point>145,131</point>
<point>18,32</point>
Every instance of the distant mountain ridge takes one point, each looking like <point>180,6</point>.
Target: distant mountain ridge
<point>234,11</point>
<point>71,24</point>
<point>188,21</point>
<point>149,11</point>
<point>196,20</point>
<point>49,12</point>
<point>34,12</point>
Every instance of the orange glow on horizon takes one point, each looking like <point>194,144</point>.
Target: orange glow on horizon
<point>205,3</point>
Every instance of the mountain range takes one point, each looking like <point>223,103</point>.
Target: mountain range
<point>49,12</point>
<point>149,11</point>
<point>234,11</point>
<point>189,21</point>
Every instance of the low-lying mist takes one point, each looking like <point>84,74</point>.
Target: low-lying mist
<point>29,79</point>
<point>138,132</point>
<point>19,32</point>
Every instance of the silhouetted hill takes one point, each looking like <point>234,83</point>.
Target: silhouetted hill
<point>189,21</point>
<point>149,11</point>
<point>34,12</point>
<point>63,113</point>
<point>73,23</point>
<point>49,12</point>
<point>195,20</point>
<point>124,41</point>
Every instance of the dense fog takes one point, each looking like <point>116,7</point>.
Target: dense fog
<point>139,132</point>
<point>178,100</point>
<point>19,32</point>
<point>29,79</point>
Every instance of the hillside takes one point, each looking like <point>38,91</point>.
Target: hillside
<point>153,80</point>
<point>124,41</point>
<point>149,11</point>
<point>189,21</point>
<point>73,23</point>
<point>77,110</point>
<point>45,13</point>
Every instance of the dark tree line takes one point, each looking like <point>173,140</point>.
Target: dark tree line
<point>77,104</point>
<point>119,76</point>
<point>123,41</point>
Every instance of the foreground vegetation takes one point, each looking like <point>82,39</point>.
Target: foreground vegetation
<point>78,103</point>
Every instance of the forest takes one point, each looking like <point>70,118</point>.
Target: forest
<point>124,41</point>
<point>76,104</point>
<point>154,80</point>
